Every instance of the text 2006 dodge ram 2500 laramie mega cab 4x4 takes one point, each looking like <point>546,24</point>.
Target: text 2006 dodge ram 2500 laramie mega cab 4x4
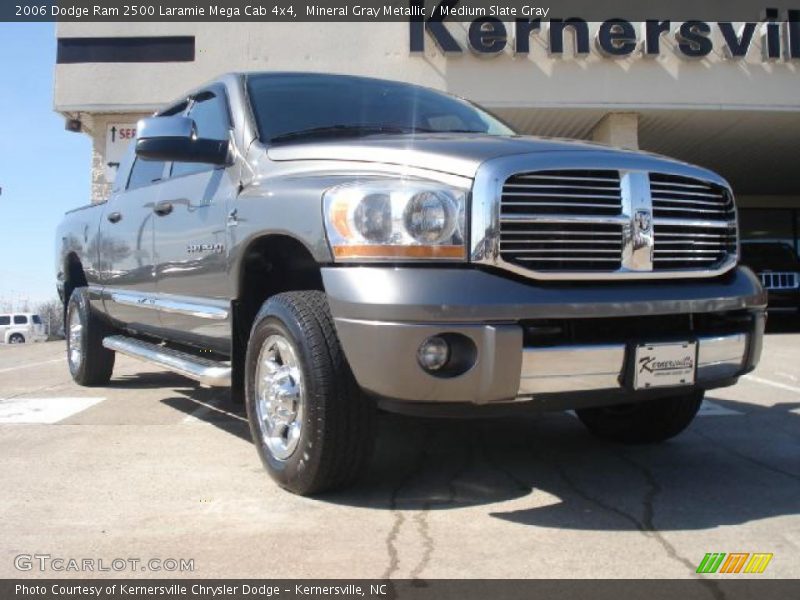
<point>330,245</point>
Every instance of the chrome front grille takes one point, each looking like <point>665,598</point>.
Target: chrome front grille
<point>562,246</point>
<point>694,223</point>
<point>583,223</point>
<point>554,192</point>
<point>779,280</point>
<point>538,226</point>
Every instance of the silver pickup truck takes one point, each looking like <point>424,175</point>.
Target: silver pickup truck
<point>327,246</point>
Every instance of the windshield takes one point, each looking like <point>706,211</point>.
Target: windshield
<point>294,106</point>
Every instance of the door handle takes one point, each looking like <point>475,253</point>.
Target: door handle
<point>162,209</point>
<point>114,217</point>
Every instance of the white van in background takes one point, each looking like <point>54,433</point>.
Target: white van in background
<point>18,328</point>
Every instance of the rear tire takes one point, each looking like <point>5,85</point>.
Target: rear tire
<point>312,425</point>
<point>16,338</point>
<point>645,422</point>
<point>90,364</point>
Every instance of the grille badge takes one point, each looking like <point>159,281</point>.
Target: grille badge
<point>643,220</point>
<point>637,234</point>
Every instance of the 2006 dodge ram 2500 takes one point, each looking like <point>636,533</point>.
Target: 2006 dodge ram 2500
<point>329,245</point>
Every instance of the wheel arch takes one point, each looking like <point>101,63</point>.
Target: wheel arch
<point>11,334</point>
<point>74,275</point>
<point>271,264</point>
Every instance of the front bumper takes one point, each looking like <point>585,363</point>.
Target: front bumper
<point>383,314</point>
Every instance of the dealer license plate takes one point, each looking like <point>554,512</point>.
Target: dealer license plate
<point>664,365</point>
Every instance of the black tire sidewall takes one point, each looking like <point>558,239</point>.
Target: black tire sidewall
<point>96,363</point>
<point>296,471</point>
<point>16,336</point>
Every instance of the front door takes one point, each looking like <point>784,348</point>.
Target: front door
<point>191,238</point>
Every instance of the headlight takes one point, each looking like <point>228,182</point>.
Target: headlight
<point>395,219</point>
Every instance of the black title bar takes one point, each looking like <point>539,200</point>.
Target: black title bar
<point>417,589</point>
<point>283,11</point>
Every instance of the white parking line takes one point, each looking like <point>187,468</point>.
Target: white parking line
<point>31,365</point>
<point>712,409</point>
<point>789,375</point>
<point>196,415</point>
<point>775,384</point>
<point>42,410</point>
<point>707,409</point>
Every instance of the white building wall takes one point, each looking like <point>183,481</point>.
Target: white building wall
<point>382,49</point>
<point>564,89</point>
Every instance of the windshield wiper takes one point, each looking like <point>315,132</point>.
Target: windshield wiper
<point>342,130</point>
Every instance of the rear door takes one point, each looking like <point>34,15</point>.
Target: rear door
<point>126,247</point>
<point>5,323</point>
<point>126,256</point>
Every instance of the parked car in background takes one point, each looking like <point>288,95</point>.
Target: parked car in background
<point>19,328</point>
<point>778,267</point>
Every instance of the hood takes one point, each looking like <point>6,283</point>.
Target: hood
<point>457,154</point>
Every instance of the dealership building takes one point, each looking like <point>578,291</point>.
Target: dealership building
<point>724,96</point>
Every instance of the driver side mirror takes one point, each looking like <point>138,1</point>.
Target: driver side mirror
<point>174,138</point>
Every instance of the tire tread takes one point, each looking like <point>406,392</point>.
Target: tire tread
<point>346,421</point>
<point>97,365</point>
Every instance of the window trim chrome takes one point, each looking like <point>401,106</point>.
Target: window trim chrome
<point>487,194</point>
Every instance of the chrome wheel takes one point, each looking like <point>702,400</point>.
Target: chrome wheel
<point>280,398</point>
<point>74,352</point>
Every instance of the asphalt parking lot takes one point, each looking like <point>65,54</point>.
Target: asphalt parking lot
<point>155,466</point>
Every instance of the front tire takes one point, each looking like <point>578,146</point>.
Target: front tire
<point>90,364</point>
<point>16,338</point>
<point>644,422</point>
<point>312,425</point>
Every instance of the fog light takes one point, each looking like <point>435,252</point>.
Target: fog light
<point>433,353</point>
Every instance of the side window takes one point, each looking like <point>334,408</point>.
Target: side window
<point>20,320</point>
<point>37,320</point>
<point>145,172</point>
<point>211,119</point>
<point>5,320</point>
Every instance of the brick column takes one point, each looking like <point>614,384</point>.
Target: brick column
<point>618,129</point>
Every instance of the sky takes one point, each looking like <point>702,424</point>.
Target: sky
<point>44,169</point>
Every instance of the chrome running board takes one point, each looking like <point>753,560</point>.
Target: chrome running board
<point>204,370</point>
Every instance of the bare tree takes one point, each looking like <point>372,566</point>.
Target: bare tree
<point>52,314</point>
